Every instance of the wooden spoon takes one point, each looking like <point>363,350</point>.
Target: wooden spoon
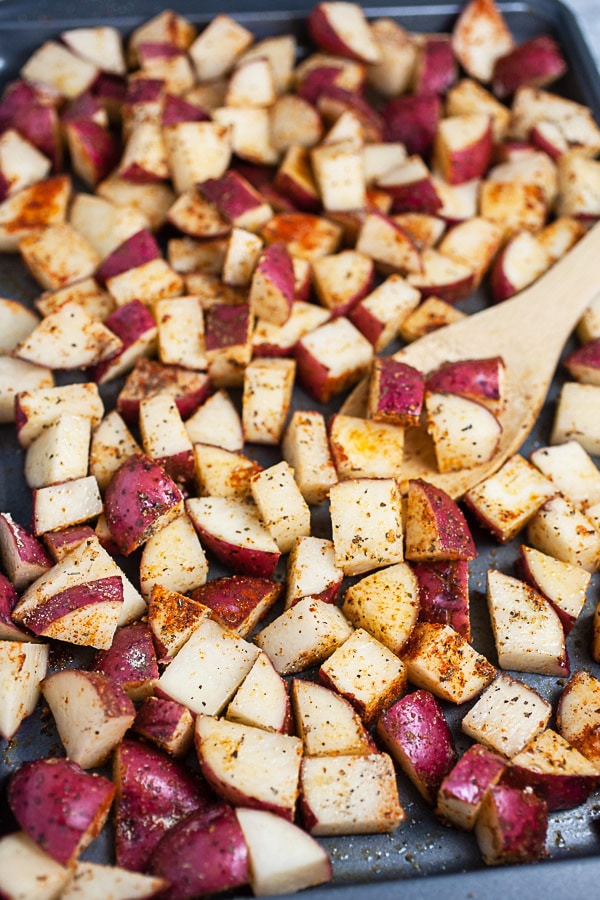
<point>529,332</point>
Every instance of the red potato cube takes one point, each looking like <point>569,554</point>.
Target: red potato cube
<point>237,200</point>
<point>167,26</point>
<point>583,363</point>
<point>332,358</point>
<point>464,432</point>
<point>262,700</point>
<point>533,641</point>
<point>473,243</point>
<point>9,631</point>
<point>94,879</point>
<point>559,529</point>
<point>130,661</point>
<point>363,448</point>
<point>217,48</point>
<point>330,69</point>
<point>280,340</point>
<point>135,250</point>
<point>306,235</point>
<point>60,453</point>
<point>340,176</point>
<point>239,602</point>
<point>512,824</point>
<point>136,328</point>
<point>440,660</point>
<point>577,714</point>
<point>24,866</point>
<point>249,766</point>
<point>266,398</point>
<point>145,156</point>
<point>198,218</point>
<point>55,784</point>
<point>520,263</point>
<point>305,447</point>
<point>463,147</point>
<point>272,286</point>
<point>149,377</point>
<point>575,125</point>
<point>443,277</point>
<point>21,163</point>
<point>480,36</point>
<point>435,527</point>
<point>58,255</point>
<point>167,724</point>
<point>350,795</point>
<point>104,224</point>
<point>208,669</point>
<point>23,665</point>
<point>283,858</point>
<point>537,62</point>
<point>304,635</point>
<point>555,770</point>
<point>469,96</point>
<point>93,150</point>
<point>294,123</point>
<point>412,120</point>
<point>172,618</point>
<point>55,66</point>
<point>23,557</point>
<point>216,421</point>
<point>476,379</point>
<point>341,28</point>
<point>392,75</point>
<point>311,571</point>
<point>233,531</point>
<point>529,168</point>
<point>250,134</point>
<point>281,505</point>
<point>380,314</point>
<point>68,339</point>
<point>91,712</point>
<point>58,506</point>
<point>366,523</point>
<point>241,256</point>
<point>154,792</point>
<point>59,543</point>
<point>168,63</point>
<point>411,187</point>
<point>342,280</point>
<point>251,83</point>
<point>504,502</point>
<point>389,245</point>
<point>575,417</point>
<point>572,470</point>
<point>462,790</point>
<point>100,44</point>
<point>280,51</point>
<point>165,439</point>
<point>563,584</point>
<point>418,738</point>
<point>579,186</point>
<point>396,392</point>
<point>36,410</point>
<point>327,723</point>
<point>140,499</point>
<point>223,473</point>
<point>17,375</point>
<point>443,587</point>
<point>87,292</point>
<point>435,66</point>
<point>111,443</point>
<point>32,111</point>
<point>228,343</point>
<point>366,673</point>
<point>17,322</point>
<point>36,207</point>
<point>294,178</point>
<point>152,281</point>
<point>385,604</point>
<point>212,836</point>
<point>508,715</point>
<point>514,206</point>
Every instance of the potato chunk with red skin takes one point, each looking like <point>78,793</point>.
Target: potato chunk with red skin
<point>435,526</point>
<point>396,392</point>
<point>140,498</point>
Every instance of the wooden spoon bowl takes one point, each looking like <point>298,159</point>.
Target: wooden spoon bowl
<point>529,332</point>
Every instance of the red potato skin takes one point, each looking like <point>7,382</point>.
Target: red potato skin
<point>110,92</point>
<point>138,495</point>
<point>59,805</point>
<point>176,110</point>
<point>166,723</point>
<point>477,379</point>
<point>536,62</point>
<point>154,792</point>
<point>457,540</point>
<point>233,599</point>
<point>62,604</point>
<point>518,819</point>
<point>418,196</point>
<point>502,287</point>
<point>204,854</point>
<point>470,162</point>
<point>225,326</point>
<point>326,37</point>
<point>25,558</point>
<point>317,80</point>
<point>335,98</point>
<point>242,560</point>
<point>25,108</point>
<point>175,612</point>
<point>137,250</point>
<point>129,322</point>
<point>232,194</point>
<point>149,376</point>
<point>130,660</point>
<point>436,67</point>
<point>560,791</point>
<point>413,119</point>
<point>472,775</point>
<point>61,542</point>
<point>97,145</point>
<point>400,390</point>
<point>567,621</point>
<point>583,364</point>
<point>444,593</point>
<point>8,598</point>
<point>85,106</point>
<point>275,264</point>
<point>418,738</point>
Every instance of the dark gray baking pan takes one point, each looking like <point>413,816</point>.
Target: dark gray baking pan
<point>421,859</point>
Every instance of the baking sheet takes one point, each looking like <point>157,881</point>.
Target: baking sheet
<point>421,858</point>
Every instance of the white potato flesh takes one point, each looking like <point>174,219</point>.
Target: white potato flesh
<point>17,375</point>
<point>386,604</point>
<point>305,447</point>
<point>22,668</point>
<point>363,448</point>
<point>328,723</point>
<point>577,416</point>
<point>464,433</point>
<point>570,467</point>
<point>92,881</point>
<point>60,453</point>
<point>174,558</point>
<point>268,385</point>
<point>366,520</point>
<point>281,505</point>
<point>311,570</point>
<point>261,700</point>
<point>216,422</point>
<point>561,530</point>
<point>561,582</point>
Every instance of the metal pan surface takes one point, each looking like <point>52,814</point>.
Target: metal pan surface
<point>422,858</point>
